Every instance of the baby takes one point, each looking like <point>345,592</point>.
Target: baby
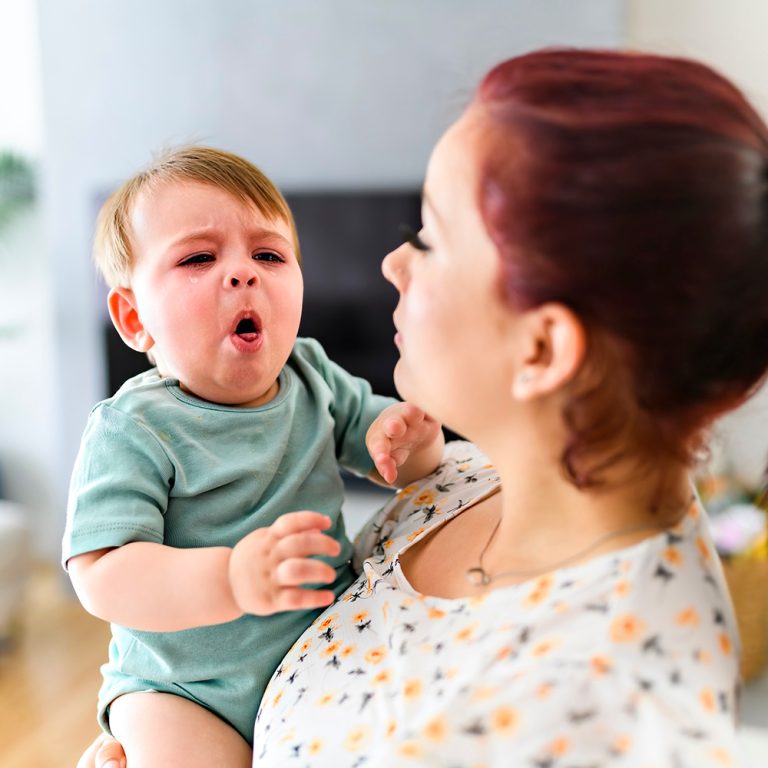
<point>183,527</point>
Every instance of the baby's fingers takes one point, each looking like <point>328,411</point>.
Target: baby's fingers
<point>395,427</point>
<point>296,599</point>
<point>301,570</point>
<point>296,522</point>
<point>305,543</point>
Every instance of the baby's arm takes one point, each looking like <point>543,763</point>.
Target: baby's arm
<point>405,444</point>
<point>157,588</point>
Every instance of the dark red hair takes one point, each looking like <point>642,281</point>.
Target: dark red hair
<point>633,188</point>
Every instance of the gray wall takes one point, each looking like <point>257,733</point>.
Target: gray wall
<point>317,92</point>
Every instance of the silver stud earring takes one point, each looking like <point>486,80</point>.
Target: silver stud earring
<point>524,377</point>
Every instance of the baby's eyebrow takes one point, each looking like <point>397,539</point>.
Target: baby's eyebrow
<point>212,233</point>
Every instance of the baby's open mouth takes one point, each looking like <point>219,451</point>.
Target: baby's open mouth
<point>247,331</point>
<point>246,327</point>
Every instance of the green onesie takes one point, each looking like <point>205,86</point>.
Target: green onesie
<point>158,464</point>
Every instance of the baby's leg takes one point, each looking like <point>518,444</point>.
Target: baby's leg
<point>160,729</point>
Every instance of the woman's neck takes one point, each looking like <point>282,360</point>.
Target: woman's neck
<point>545,519</point>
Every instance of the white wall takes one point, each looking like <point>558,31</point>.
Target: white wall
<point>319,93</point>
<point>21,123</point>
<point>730,36</point>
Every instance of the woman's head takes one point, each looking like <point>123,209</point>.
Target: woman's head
<point>632,191</point>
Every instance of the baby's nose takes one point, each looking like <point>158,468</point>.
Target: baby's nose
<point>239,278</point>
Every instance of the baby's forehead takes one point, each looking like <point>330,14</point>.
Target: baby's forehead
<point>163,192</point>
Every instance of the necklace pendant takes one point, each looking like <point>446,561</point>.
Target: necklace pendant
<point>478,577</point>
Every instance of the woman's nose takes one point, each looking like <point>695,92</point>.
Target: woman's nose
<point>393,266</point>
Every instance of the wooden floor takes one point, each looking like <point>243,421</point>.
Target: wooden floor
<point>49,678</point>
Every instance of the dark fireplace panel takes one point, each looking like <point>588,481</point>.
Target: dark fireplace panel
<point>348,305</point>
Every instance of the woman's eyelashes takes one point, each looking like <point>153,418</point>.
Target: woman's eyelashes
<point>412,237</point>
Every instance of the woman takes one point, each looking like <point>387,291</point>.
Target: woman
<point>584,298</point>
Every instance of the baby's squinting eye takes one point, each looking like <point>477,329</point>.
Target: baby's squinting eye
<point>412,237</point>
<point>269,256</point>
<point>196,259</point>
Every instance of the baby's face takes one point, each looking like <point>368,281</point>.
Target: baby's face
<point>218,289</point>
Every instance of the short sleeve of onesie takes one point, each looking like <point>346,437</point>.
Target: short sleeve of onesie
<point>119,486</point>
<point>354,406</point>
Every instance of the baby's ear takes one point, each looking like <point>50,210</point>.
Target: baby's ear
<point>125,316</point>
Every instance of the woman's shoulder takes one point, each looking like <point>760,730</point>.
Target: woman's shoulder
<point>464,475</point>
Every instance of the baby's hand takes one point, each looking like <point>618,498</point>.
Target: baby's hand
<point>398,432</point>
<point>267,567</point>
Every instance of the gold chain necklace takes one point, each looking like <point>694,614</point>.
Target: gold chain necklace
<point>479,577</point>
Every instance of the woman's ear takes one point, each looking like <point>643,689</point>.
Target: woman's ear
<point>125,317</point>
<point>551,353</point>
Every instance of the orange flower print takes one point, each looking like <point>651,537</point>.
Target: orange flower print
<point>544,647</point>
<point>329,621</point>
<point>415,534</point>
<point>707,699</point>
<point>621,744</point>
<point>360,616</point>
<point>381,677</point>
<point>701,545</point>
<point>540,591</point>
<point>503,653</point>
<point>325,699</point>
<point>376,655</point>
<point>315,746</point>
<point>305,646</point>
<point>408,490</point>
<point>689,617</point>
<point>424,498</point>
<point>622,588</point>
<point>673,556</point>
<point>466,633</point>
<point>601,665</point>
<point>330,649</point>
<point>277,698</point>
<point>504,720</point>
<point>703,657</point>
<point>391,729</point>
<point>409,748</point>
<point>725,644</point>
<point>435,613</point>
<point>436,729</point>
<point>723,757</point>
<point>626,628</point>
<point>347,651</point>
<point>357,738</point>
<point>413,689</point>
<point>559,747</point>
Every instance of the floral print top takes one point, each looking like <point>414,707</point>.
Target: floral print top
<point>627,660</point>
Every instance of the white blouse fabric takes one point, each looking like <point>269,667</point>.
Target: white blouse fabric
<point>626,660</point>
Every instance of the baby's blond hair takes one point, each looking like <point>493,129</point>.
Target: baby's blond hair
<point>112,250</point>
